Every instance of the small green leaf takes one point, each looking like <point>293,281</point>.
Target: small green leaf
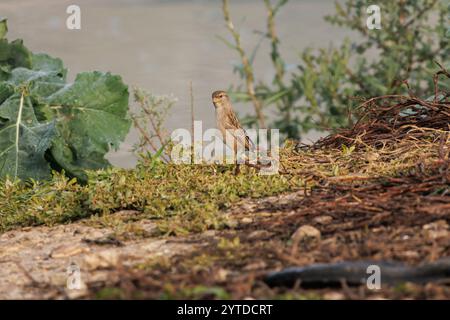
<point>276,97</point>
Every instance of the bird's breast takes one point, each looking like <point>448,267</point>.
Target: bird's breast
<point>221,119</point>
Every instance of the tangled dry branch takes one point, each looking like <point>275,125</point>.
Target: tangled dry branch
<point>389,119</point>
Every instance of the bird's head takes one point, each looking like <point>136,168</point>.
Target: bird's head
<point>220,99</point>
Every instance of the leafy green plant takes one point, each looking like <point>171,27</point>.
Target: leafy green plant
<point>46,123</point>
<point>329,83</point>
<point>150,120</point>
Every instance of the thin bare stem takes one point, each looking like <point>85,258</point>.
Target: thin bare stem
<point>248,70</point>
<point>420,13</point>
<point>271,33</point>
<point>191,92</point>
<point>147,138</point>
<point>149,122</point>
<point>159,134</point>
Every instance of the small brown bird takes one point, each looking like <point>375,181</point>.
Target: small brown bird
<point>228,124</point>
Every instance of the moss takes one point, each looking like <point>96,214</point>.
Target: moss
<point>25,204</point>
<point>110,294</point>
<point>298,296</point>
<point>181,198</point>
<point>197,293</point>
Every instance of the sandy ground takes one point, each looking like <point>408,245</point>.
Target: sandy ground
<point>35,261</point>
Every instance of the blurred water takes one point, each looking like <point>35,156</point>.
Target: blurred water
<point>163,45</point>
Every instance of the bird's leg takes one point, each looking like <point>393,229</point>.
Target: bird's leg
<point>237,168</point>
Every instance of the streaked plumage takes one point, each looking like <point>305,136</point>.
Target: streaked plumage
<point>227,121</point>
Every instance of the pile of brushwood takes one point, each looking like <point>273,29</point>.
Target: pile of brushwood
<point>392,119</point>
<point>378,192</point>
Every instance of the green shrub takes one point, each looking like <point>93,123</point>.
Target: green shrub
<point>329,83</point>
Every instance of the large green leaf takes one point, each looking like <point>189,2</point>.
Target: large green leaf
<point>71,126</point>
<point>3,27</point>
<point>10,111</point>
<point>43,62</point>
<point>6,90</point>
<point>40,84</point>
<point>13,55</point>
<point>92,119</point>
<point>23,141</point>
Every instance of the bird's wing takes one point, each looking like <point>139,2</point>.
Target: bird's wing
<point>238,132</point>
